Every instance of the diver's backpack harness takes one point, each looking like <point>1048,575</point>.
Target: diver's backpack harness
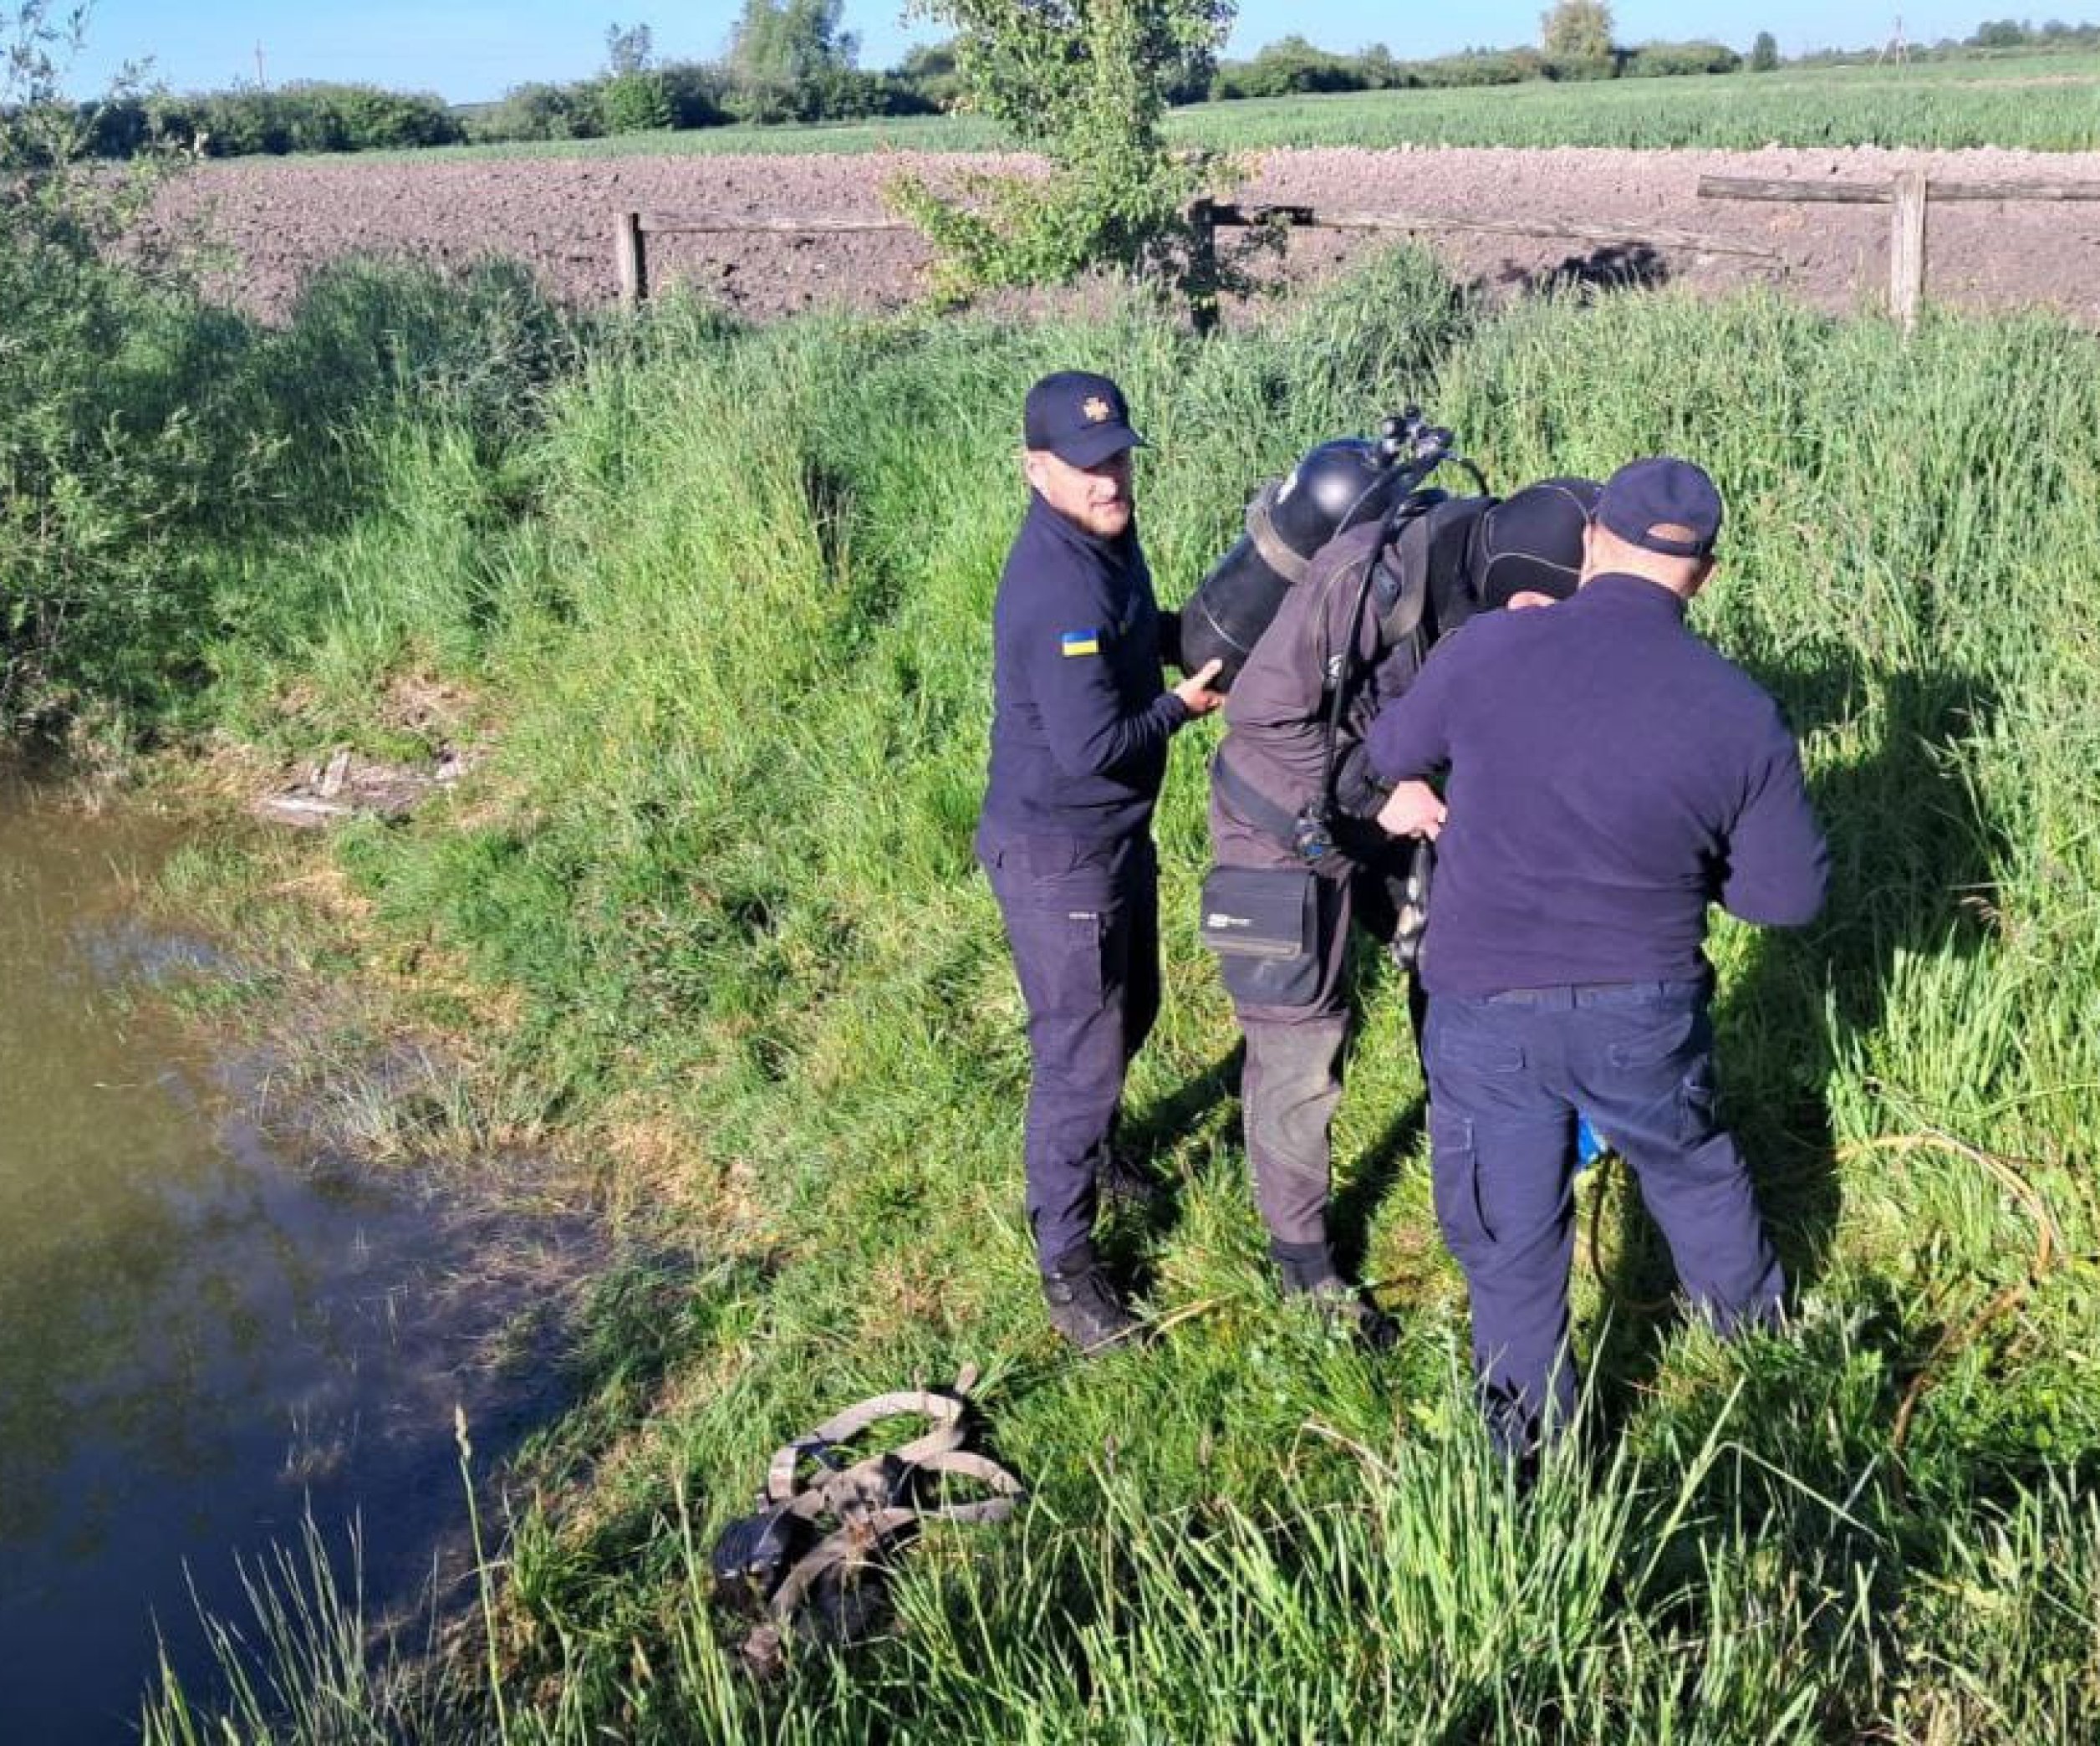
<point>825,1521</point>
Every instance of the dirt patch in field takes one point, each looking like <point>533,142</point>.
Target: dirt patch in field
<point>276,221</point>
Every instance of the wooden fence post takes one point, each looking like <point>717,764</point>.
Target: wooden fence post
<point>1907,250</point>
<point>630,259</point>
<point>1203,265</point>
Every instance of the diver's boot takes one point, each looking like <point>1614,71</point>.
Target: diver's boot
<point>1084,1307</point>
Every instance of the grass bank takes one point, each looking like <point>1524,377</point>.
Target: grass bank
<point>721,600</point>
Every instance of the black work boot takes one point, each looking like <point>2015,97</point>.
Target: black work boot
<point>1083,1305</point>
<point>1309,1271</point>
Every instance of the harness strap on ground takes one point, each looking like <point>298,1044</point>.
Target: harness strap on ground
<point>945,1411</point>
<point>863,1531</point>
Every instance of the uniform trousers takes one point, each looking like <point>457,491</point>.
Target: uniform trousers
<point>1082,920</point>
<point>1508,1074</point>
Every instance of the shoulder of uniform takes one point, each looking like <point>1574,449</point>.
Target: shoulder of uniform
<point>1729,680</point>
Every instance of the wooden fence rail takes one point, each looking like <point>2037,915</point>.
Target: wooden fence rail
<point>632,230</point>
<point>1909,192</point>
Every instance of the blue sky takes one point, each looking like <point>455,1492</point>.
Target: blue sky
<point>468,50</point>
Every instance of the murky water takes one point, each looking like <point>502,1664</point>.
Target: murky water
<point>203,1338</point>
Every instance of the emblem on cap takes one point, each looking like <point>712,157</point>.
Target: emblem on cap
<point>1097,410</point>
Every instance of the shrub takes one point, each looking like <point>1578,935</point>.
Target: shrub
<point>1293,65</point>
<point>294,118</point>
<point>634,102</point>
<point>1667,60</point>
<point>697,90</point>
<point>539,111</point>
<point>1087,89</point>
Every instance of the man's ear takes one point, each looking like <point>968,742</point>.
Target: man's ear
<point>1031,469</point>
<point>1589,554</point>
<point>1528,597</point>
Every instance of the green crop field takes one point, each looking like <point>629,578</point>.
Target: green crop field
<point>2043,102</point>
<point>716,601</point>
<point>2048,104</point>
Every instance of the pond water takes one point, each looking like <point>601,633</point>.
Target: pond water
<point>207,1335</point>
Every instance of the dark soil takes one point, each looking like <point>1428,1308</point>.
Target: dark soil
<point>277,219</point>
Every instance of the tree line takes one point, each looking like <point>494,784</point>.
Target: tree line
<point>791,61</point>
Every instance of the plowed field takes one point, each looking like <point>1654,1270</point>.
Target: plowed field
<point>277,219</point>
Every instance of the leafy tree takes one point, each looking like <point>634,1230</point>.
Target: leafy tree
<point>930,69</point>
<point>108,376</point>
<point>1292,65</point>
<point>628,49</point>
<point>1577,30</point>
<point>632,97</point>
<point>1764,53</point>
<point>635,103</point>
<point>1086,83</point>
<point>784,53</point>
<point>2000,33</point>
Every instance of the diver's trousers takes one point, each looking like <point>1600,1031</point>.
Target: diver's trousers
<point>1083,922</point>
<point>1508,1074</point>
<point>1292,1081</point>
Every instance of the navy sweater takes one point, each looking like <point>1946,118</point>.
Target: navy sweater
<point>1609,776</point>
<point>1080,717</point>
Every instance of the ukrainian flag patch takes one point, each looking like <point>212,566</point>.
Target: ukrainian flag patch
<point>1080,642</point>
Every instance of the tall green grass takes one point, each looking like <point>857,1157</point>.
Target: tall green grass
<point>727,598</point>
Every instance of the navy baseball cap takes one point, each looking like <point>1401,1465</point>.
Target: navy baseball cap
<point>1079,417</point>
<point>1664,505</point>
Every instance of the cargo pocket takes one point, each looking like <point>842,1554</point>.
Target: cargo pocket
<point>1078,974</point>
<point>1453,1043</point>
<point>1669,1036</point>
<point>1266,925</point>
<point>1698,1103</point>
<point>1455,1184</point>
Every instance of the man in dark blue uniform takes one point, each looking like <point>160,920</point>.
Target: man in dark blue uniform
<point>1609,775</point>
<point>1080,718</point>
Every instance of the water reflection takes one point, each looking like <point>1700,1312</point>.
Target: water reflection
<point>198,1340</point>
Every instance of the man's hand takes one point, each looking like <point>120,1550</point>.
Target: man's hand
<point>1412,809</point>
<point>1195,691</point>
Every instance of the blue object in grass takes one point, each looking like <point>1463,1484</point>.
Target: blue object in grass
<point>1590,1145</point>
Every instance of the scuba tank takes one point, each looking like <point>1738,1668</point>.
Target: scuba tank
<point>1332,488</point>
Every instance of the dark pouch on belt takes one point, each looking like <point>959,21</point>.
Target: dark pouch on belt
<point>1264,924</point>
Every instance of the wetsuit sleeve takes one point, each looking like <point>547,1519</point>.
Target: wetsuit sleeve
<point>1357,789</point>
<point>1411,735</point>
<point>1778,863</point>
<point>1083,719</point>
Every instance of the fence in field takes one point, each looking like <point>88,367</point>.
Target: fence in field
<point>1909,193</point>
<point>632,230</point>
